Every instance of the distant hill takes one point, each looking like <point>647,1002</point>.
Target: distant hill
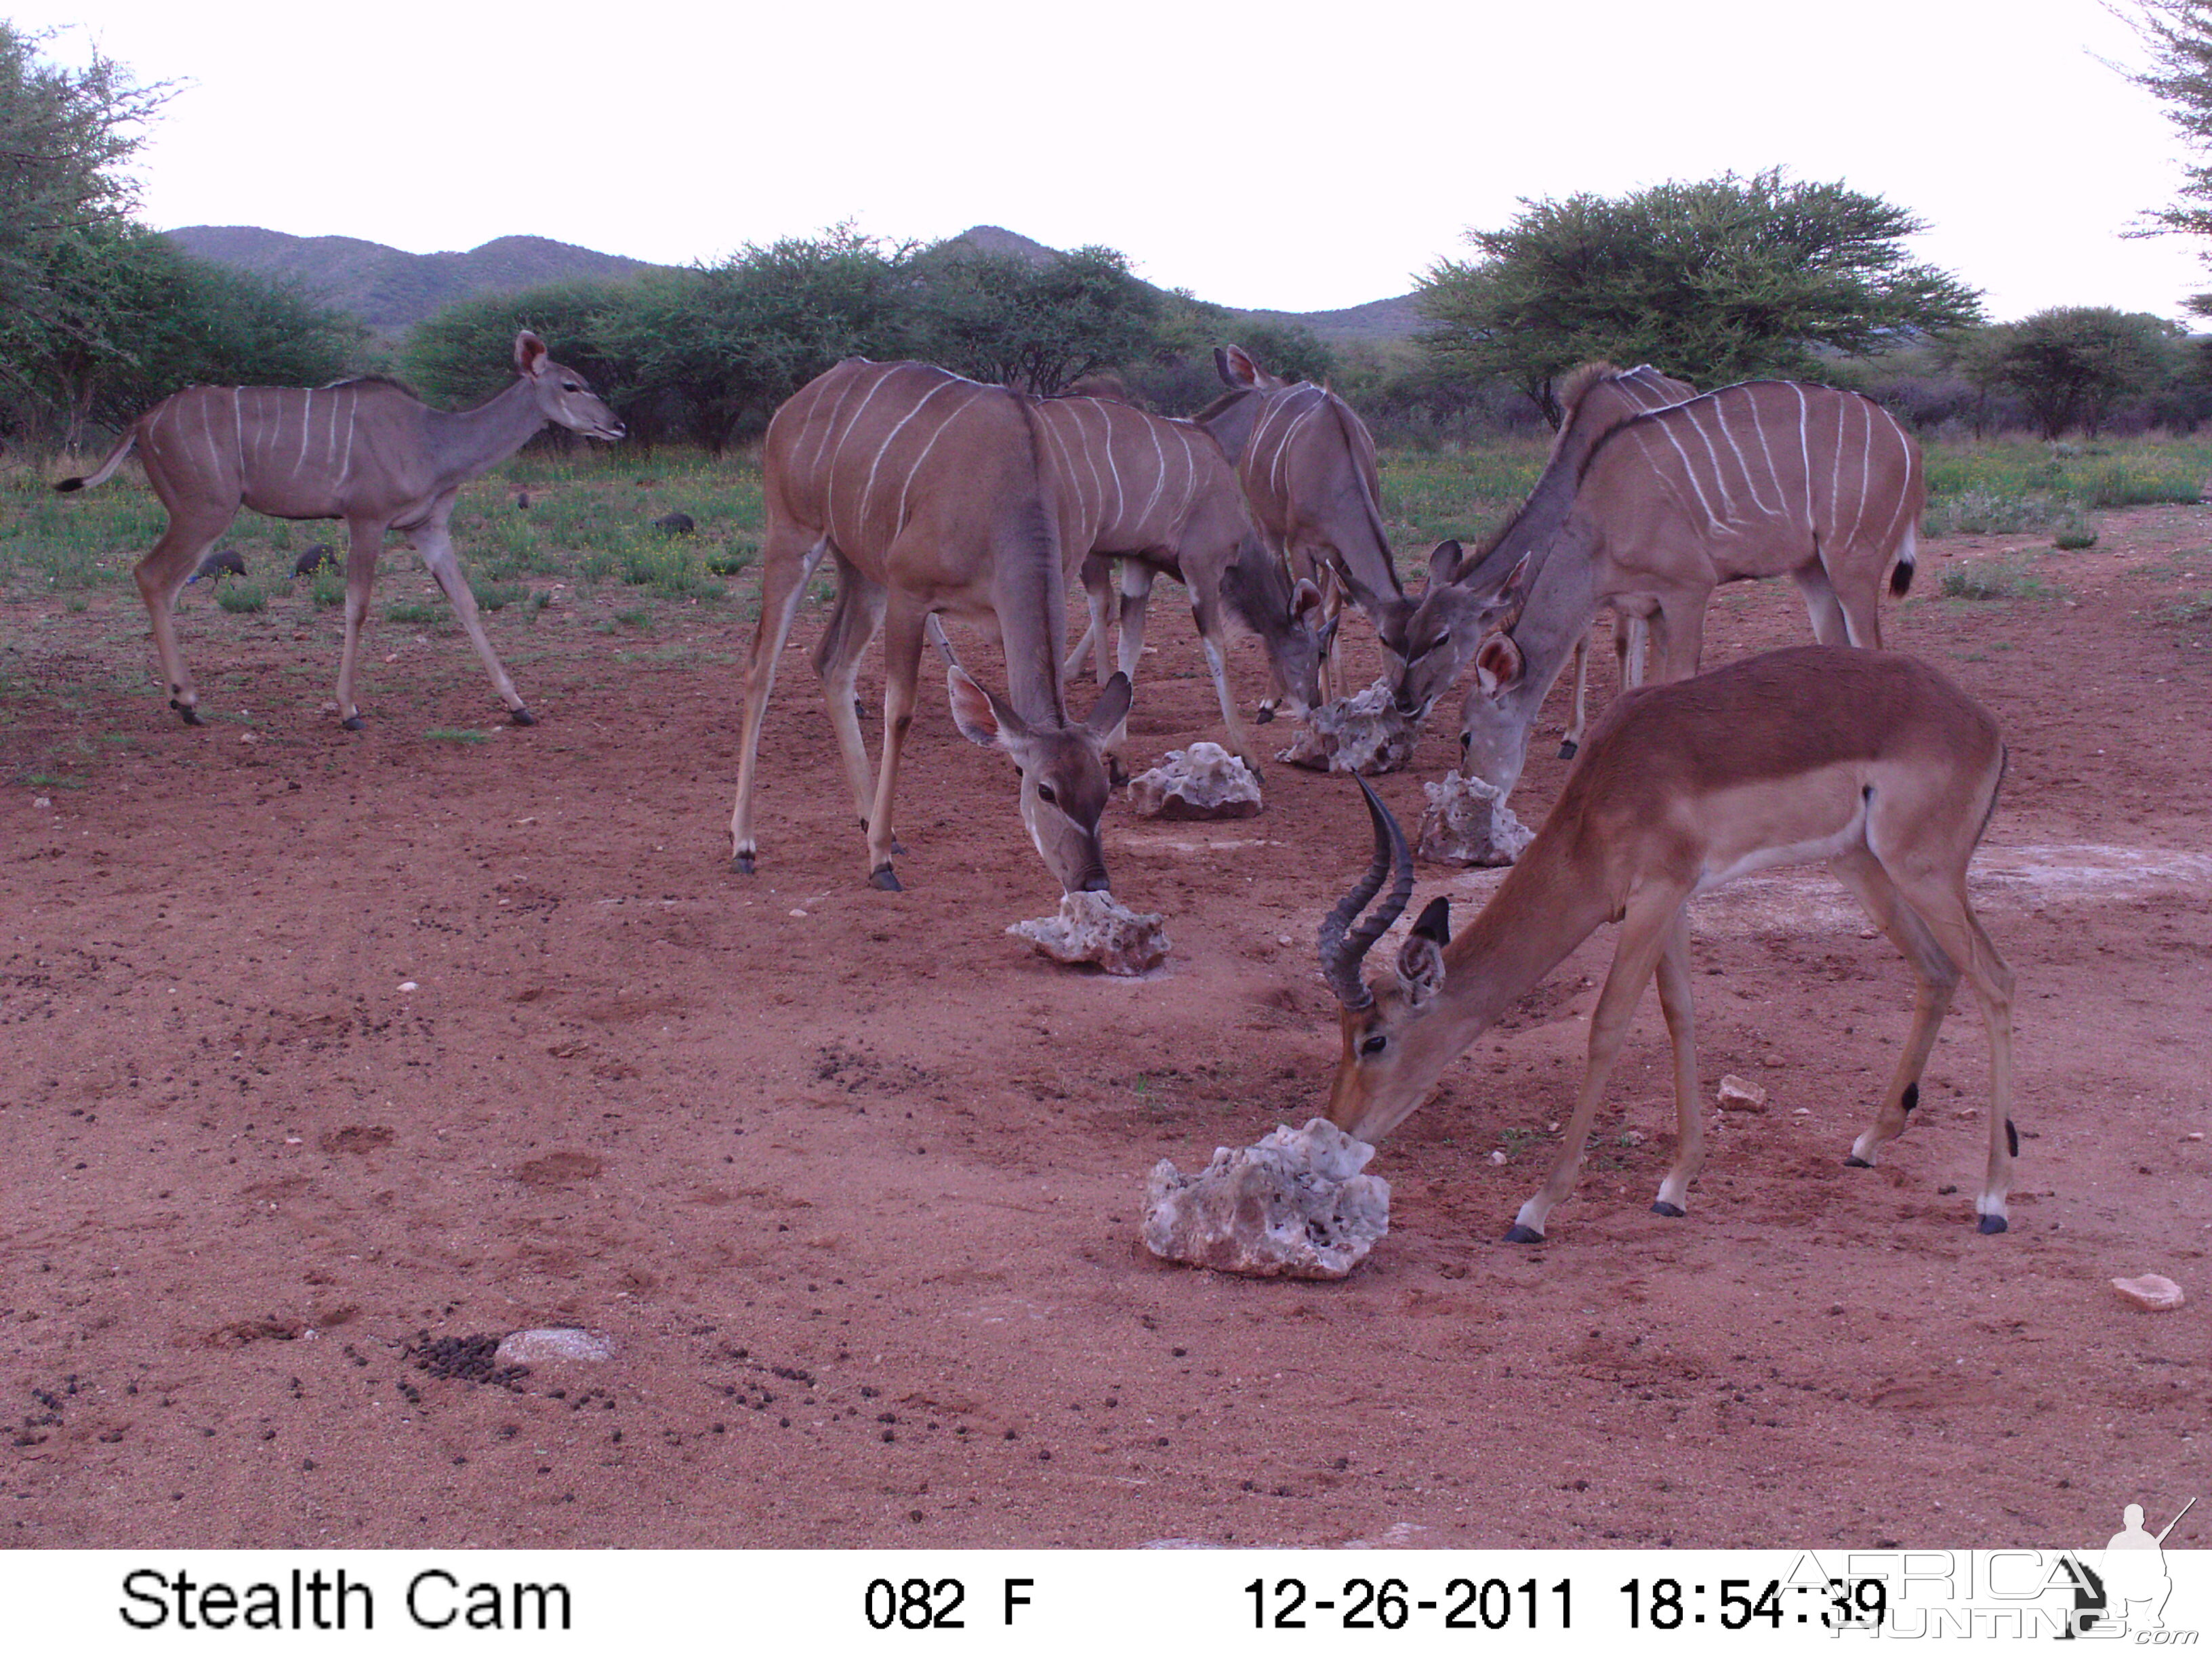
<point>390,289</point>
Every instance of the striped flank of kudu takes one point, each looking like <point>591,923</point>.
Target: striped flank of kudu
<point>1766,478</point>
<point>364,451</point>
<point>933,493</point>
<point>1307,462</point>
<point>1160,497</point>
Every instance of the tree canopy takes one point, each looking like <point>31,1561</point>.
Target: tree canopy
<point>1725,279</point>
<point>2071,364</point>
<point>2178,35</point>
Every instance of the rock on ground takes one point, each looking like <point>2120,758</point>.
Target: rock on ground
<point>1467,822</point>
<point>1295,1205</point>
<point>1096,928</point>
<point>539,1347</point>
<point>1361,734</point>
<point>1738,1095</point>
<point>1202,781</point>
<point>2153,1292</point>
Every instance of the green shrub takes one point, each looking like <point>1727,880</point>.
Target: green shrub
<point>327,588</point>
<point>497,596</point>
<point>1993,579</point>
<point>240,597</point>
<point>2074,535</point>
<point>1982,512</point>
<point>416,613</point>
<point>731,560</point>
<point>456,734</point>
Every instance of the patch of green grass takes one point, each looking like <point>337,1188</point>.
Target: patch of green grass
<point>497,596</point>
<point>241,597</point>
<point>457,734</point>
<point>731,560</point>
<point>1992,513</point>
<point>1994,579</point>
<point>2183,612</point>
<point>635,618</point>
<point>416,613</point>
<point>53,780</point>
<point>327,588</point>
<point>2073,537</point>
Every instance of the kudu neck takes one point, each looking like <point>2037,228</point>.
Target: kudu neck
<point>470,444</point>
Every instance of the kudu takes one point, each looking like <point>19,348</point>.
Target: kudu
<point>933,493</point>
<point>1159,495</point>
<point>1765,478</point>
<point>1308,466</point>
<point>364,451</point>
<point>1870,761</point>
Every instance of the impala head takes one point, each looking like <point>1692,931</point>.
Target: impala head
<point>564,395</point>
<point>1452,619</point>
<point>1393,1054</point>
<point>1064,781</point>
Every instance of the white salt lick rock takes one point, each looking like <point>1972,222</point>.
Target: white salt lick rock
<point>1467,822</point>
<point>1096,927</point>
<point>1361,734</point>
<point>1295,1205</point>
<point>552,1343</point>
<point>2152,1293</point>
<point>1200,782</point>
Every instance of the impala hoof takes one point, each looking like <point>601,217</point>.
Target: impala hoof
<point>521,717</point>
<point>1662,1207</point>
<point>1991,1223</point>
<point>742,863</point>
<point>1568,750</point>
<point>1520,1235</point>
<point>884,880</point>
<point>354,723</point>
<point>1855,1162</point>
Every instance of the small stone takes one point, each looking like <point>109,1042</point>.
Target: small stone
<point>1738,1095</point>
<point>1295,1205</point>
<point>1096,928</point>
<point>2194,1134</point>
<point>1498,1158</point>
<point>1361,734</point>
<point>552,1343</point>
<point>1467,822</point>
<point>42,800</point>
<point>1772,1061</point>
<point>407,985</point>
<point>2151,1292</point>
<point>1202,781</point>
<point>248,737</point>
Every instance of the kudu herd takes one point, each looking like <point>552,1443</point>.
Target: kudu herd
<point>930,495</point>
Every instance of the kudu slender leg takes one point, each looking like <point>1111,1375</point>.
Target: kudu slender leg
<point>787,559</point>
<point>903,639</point>
<point>853,628</point>
<point>1570,744</point>
<point>1097,588</point>
<point>1676,628</point>
<point>365,545</point>
<point>1858,595</point>
<point>1206,611</point>
<point>1935,975</point>
<point>435,543</point>
<point>1822,607</point>
<point>1644,933</point>
<point>1683,1033</point>
<point>161,575</point>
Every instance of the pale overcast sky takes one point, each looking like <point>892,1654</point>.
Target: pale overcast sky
<point>1288,154</point>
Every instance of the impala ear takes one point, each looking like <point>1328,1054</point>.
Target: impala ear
<point>981,718</point>
<point>1236,367</point>
<point>1305,597</point>
<point>1421,958</point>
<point>1444,562</point>
<point>1112,707</point>
<point>528,352</point>
<point>1497,664</point>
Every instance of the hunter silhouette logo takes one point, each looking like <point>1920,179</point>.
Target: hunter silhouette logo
<point>2136,1583</point>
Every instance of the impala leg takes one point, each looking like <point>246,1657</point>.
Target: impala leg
<point>161,575</point>
<point>364,546</point>
<point>1643,937</point>
<point>436,545</point>
<point>787,559</point>
<point>853,628</point>
<point>1682,1034</point>
<point>1936,977</point>
<point>902,638</point>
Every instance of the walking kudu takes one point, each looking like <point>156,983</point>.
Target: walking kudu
<point>1159,495</point>
<point>933,494</point>
<point>364,451</point>
<point>1765,478</point>
<point>1308,466</point>
<point>1868,760</point>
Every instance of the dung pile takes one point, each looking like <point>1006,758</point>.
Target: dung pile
<point>1361,734</point>
<point>1294,1206</point>
<point>1202,781</point>
<point>1096,927</point>
<point>1467,822</point>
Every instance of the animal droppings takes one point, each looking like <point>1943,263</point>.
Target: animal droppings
<point>1202,781</point>
<point>1295,1205</point>
<point>1362,733</point>
<point>539,1347</point>
<point>1738,1095</point>
<point>2152,1293</point>
<point>1467,822</point>
<point>1096,928</point>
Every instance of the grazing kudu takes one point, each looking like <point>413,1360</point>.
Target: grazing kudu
<point>1868,760</point>
<point>933,494</point>
<point>1766,478</point>
<point>1159,495</point>
<point>364,451</point>
<point>1308,466</point>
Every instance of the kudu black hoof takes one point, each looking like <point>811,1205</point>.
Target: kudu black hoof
<point>1855,1162</point>
<point>186,713</point>
<point>354,723</point>
<point>1991,1223</point>
<point>1660,1207</point>
<point>883,879</point>
<point>1568,750</point>
<point>521,717</point>
<point>1520,1235</point>
<point>1264,715</point>
<point>742,863</point>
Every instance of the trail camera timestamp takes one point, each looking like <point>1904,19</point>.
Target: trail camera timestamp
<point>1465,1603</point>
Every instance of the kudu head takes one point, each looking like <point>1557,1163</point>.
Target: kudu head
<point>1393,1053</point>
<point>1456,615</point>
<point>1065,785</point>
<point>564,395</point>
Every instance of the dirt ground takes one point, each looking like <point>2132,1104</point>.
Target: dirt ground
<point>323,1050</point>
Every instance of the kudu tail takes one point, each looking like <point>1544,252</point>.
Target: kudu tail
<point>107,469</point>
<point>1901,574</point>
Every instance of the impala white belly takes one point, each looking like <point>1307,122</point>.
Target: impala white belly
<point>1768,827</point>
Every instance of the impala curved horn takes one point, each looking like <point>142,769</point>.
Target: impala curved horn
<point>1342,951</point>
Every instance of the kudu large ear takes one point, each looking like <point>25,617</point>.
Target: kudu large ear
<point>1421,958</point>
<point>1236,367</point>
<point>1497,664</point>
<point>981,718</point>
<point>1444,562</point>
<point>1112,707</point>
<point>528,352</point>
<point>1305,598</point>
<point>1506,604</point>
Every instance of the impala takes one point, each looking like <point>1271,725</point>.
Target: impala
<point>1869,761</point>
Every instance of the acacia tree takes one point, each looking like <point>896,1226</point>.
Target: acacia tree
<point>2178,35</point>
<point>1725,279</point>
<point>2071,364</point>
<point>1038,327</point>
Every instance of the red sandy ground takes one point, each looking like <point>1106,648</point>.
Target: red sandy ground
<point>853,1179</point>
